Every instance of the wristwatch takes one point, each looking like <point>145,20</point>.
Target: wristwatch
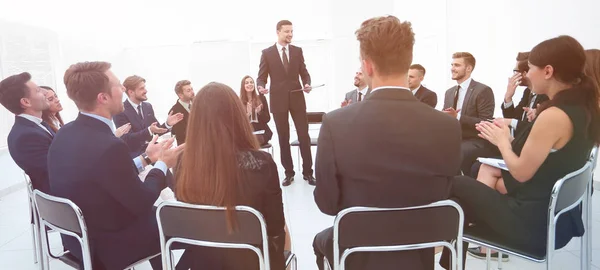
<point>146,158</point>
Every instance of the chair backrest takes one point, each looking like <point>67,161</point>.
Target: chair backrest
<point>569,190</point>
<point>206,226</point>
<point>314,117</point>
<point>405,228</point>
<point>65,217</point>
<point>29,185</point>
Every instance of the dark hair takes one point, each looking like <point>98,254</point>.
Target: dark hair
<point>522,56</point>
<point>48,117</point>
<point>244,94</point>
<point>84,81</point>
<point>217,132</point>
<point>12,90</point>
<point>567,58</point>
<point>387,42</point>
<point>469,58</point>
<point>418,67</point>
<point>282,23</point>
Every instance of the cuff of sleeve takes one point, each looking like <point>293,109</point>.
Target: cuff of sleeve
<point>138,164</point>
<point>161,166</point>
<point>514,123</point>
<point>508,104</point>
<point>167,126</point>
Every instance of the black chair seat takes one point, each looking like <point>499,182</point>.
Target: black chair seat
<point>71,260</point>
<point>265,146</point>
<point>484,236</point>
<point>313,142</point>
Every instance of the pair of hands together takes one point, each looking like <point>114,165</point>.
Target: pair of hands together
<point>163,151</point>
<point>496,131</point>
<point>307,88</point>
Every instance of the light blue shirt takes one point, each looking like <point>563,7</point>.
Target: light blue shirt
<point>138,160</point>
<point>464,86</point>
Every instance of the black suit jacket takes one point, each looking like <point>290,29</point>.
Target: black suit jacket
<point>391,160</point>
<point>478,106</point>
<point>88,165</point>
<point>282,82</point>
<point>137,137</point>
<point>179,129</point>
<point>426,96</point>
<point>28,145</point>
<point>263,119</point>
<point>518,112</point>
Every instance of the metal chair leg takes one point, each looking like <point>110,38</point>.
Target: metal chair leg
<point>499,260</point>
<point>488,258</point>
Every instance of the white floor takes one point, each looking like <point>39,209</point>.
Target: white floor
<point>303,218</point>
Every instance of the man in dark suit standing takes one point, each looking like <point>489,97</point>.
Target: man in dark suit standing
<point>185,93</point>
<point>29,137</point>
<point>140,115</point>
<point>416,74</point>
<point>524,113</point>
<point>284,63</point>
<point>88,165</point>
<point>391,159</point>
<point>470,102</point>
<point>358,94</point>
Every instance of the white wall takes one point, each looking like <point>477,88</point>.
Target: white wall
<point>222,42</point>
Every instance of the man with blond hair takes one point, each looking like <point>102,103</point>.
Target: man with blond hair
<point>185,94</point>
<point>392,158</point>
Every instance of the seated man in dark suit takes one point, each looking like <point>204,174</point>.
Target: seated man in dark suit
<point>523,113</point>
<point>30,137</point>
<point>140,115</point>
<point>88,165</point>
<point>391,158</point>
<point>470,102</point>
<point>185,93</point>
<point>416,74</point>
<point>358,94</point>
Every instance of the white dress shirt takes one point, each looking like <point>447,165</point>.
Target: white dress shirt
<point>138,109</point>
<point>416,90</point>
<point>287,51</point>
<point>464,86</point>
<point>363,92</point>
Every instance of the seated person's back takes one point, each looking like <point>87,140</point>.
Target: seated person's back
<point>389,150</point>
<point>222,166</point>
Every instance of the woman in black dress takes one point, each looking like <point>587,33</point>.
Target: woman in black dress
<point>257,109</point>
<point>513,204</point>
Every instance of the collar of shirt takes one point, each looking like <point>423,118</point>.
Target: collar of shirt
<point>106,121</point>
<point>363,91</point>
<point>32,118</point>
<point>287,47</point>
<point>465,85</point>
<point>186,105</point>
<point>416,90</point>
<point>389,87</point>
<point>135,106</point>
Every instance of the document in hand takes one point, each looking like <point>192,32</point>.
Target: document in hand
<point>258,132</point>
<point>494,162</point>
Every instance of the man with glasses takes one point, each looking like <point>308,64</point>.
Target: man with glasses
<point>525,111</point>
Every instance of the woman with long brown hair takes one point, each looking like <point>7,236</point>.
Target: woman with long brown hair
<point>52,115</point>
<point>512,204</point>
<point>257,109</point>
<point>221,165</point>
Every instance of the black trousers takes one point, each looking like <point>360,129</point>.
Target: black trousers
<point>473,148</point>
<point>492,214</point>
<point>283,132</point>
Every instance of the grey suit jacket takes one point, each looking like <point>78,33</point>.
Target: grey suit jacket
<point>353,95</point>
<point>478,106</point>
